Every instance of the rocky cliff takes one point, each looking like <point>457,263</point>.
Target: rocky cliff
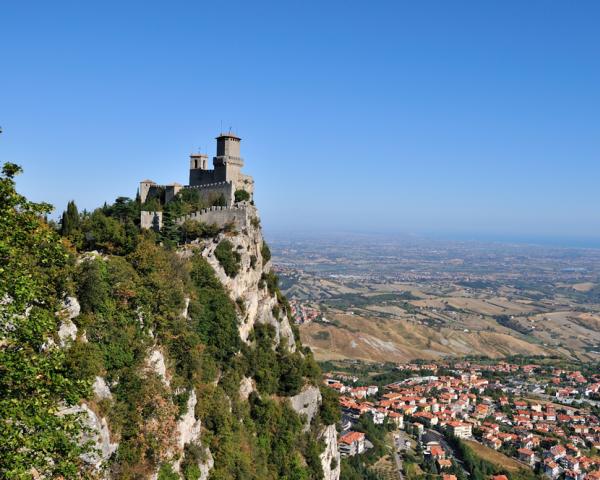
<point>132,354</point>
<point>180,447</point>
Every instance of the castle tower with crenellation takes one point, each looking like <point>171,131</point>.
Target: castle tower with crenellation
<point>219,186</point>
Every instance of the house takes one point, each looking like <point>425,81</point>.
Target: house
<point>570,463</point>
<point>352,443</point>
<point>444,463</point>
<point>397,418</point>
<point>426,417</point>
<point>551,468</point>
<point>492,442</point>
<point>526,455</point>
<point>460,429</point>
<point>558,451</point>
<point>436,452</point>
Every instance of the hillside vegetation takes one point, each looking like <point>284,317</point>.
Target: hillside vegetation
<point>161,346</point>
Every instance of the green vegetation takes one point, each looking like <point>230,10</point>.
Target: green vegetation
<point>34,375</point>
<point>241,196</point>
<point>330,411</point>
<point>265,252</point>
<point>132,294</point>
<point>480,469</point>
<point>355,468</point>
<point>228,258</point>
<point>277,371</point>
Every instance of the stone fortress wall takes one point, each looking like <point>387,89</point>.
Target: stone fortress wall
<point>219,216</point>
<point>212,191</point>
<point>151,220</point>
<point>224,179</point>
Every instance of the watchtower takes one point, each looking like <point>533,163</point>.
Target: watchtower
<point>228,162</point>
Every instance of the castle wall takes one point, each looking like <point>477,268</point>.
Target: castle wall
<point>199,176</point>
<point>145,188</point>
<point>151,220</point>
<point>171,191</point>
<point>220,216</point>
<point>209,193</point>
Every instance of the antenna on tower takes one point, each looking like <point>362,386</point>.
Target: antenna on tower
<point>221,126</point>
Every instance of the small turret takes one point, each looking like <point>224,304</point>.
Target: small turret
<point>198,161</point>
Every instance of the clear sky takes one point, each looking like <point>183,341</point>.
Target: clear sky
<point>458,117</point>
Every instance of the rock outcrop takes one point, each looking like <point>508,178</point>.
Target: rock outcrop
<point>96,431</point>
<point>248,286</point>
<point>330,458</point>
<point>306,404</point>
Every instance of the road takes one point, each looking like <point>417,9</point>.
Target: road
<point>400,437</point>
<point>431,435</point>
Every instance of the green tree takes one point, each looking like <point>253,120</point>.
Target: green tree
<point>228,258</point>
<point>70,220</point>
<point>34,380</point>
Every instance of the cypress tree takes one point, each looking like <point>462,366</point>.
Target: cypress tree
<point>70,220</point>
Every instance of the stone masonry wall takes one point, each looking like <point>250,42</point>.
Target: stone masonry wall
<point>218,215</point>
<point>151,220</point>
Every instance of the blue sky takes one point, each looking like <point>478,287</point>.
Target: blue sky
<point>464,117</point>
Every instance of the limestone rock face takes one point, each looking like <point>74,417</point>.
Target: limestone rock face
<point>98,433</point>
<point>245,286</point>
<point>246,388</point>
<point>189,428</point>
<point>156,363</point>
<point>68,330</point>
<point>101,389</point>
<point>330,458</point>
<point>307,403</point>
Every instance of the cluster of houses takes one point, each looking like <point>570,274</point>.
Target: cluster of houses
<point>302,313</point>
<point>559,440</point>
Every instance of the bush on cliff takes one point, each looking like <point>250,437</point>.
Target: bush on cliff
<point>229,259</point>
<point>241,196</point>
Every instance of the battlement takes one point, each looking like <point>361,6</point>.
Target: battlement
<point>210,185</point>
<point>221,216</point>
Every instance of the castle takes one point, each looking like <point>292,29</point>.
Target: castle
<point>217,185</point>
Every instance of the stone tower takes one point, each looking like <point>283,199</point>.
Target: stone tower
<point>228,162</point>
<point>215,186</point>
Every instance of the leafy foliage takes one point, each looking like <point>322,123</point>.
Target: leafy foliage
<point>241,196</point>
<point>265,251</point>
<point>228,258</point>
<point>137,297</point>
<point>34,378</point>
<point>213,313</point>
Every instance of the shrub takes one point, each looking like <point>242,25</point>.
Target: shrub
<point>191,230</point>
<point>228,258</point>
<point>213,314</point>
<point>93,289</point>
<point>34,380</point>
<point>219,201</point>
<point>241,196</point>
<point>330,410</point>
<point>265,252</point>
<point>84,360</point>
<point>166,472</point>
